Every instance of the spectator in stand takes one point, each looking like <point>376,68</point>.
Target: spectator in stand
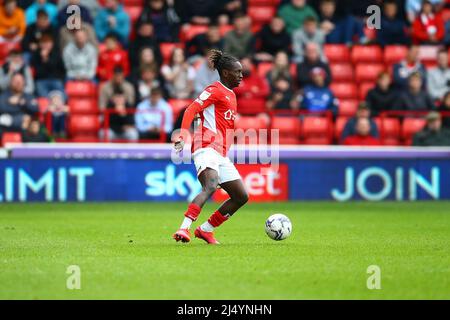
<point>308,34</point>
<point>282,96</point>
<point>240,41</point>
<point>413,7</point>
<point>428,28</point>
<point>362,112</point>
<point>317,96</point>
<point>438,78</point>
<point>294,13</point>
<point>145,38</point>
<point>35,133</point>
<point>205,76</point>
<point>252,87</point>
<point>339,29</point>
<point>200,11</point>
<point>382,97</point>
<point>58,109</point>
<point>199,46</point>
<point>113,56</point>
<point>433,134</point>
<point>148,79</point>
<point>162,15</point>
<point>116,82</point>
<point>280,69</point>
<point>179,76</point>
<point>415,98</point>
<point>393,29</point>
<point>230,9</point>
<point>80,58</point>
<point>85,14</point>
<point>405,68</point>
<point>12,22</point>
<point>15,63</point>
<point>91,5</point>
<point>312,60</point>
<point>154,116</point>
<point>112,19</point>
<point>34,32</point>
<point>32,11</point>
<point>445,107</point>
<point>48,67</point>
<point>362,136</point>
<point>146,57</point>
<point>66,35</point>
<point>121,121</point>
<point>16,106</point>
<point>272,38</point>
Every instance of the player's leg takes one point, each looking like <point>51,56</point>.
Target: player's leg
<point>209,179</point>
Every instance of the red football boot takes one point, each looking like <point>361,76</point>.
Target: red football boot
<point>207,236</point>
<point>182,235</point>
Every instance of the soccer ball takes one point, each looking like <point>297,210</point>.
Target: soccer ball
<point>278,227</point>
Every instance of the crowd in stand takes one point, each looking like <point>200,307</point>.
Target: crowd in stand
<point>123,57</point>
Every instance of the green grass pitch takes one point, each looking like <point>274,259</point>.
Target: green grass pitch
<point>125,251</point>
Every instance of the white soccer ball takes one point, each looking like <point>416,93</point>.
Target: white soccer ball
<point>278,227</point>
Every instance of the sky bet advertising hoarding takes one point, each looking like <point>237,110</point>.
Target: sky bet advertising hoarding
<point>25,180</point>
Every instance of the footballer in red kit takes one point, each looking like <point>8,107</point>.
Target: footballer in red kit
<point>216,108</point>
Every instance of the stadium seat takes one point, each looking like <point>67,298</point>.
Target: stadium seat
<point>189,31</point>
<point>166,49</point>
<point>368,54</point>
<point>337,53</point>
<point>293,70</point>
<point>11,137</point>
<point>81,89</point>
<point>409,127</point>
<point>251,106</point>
<point>364,88</point>
<point>42,104</point>
<point>389,129</point>
<point>371,34</point>
<point>263,68</point>
<point>257,123</point>
<point>133,12</point>
<point>317,130</point>
<point>137,3</point>
<point>427,55</point>
<point>84,105</point>
<point>368,72</point>
<point>347,107</point>
<point>342,72</point>
<point>83,125</point>
<point>339,127</point>
<point>394,54</point>
<point>254,3</point>
<point>261,14</point>
<point>344,90</point>
<point>178,105</point>
<point>289,129</point>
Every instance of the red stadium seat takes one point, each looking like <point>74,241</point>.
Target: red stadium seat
<point>337,53</point>
<point>251,106</point>
<point>85,138</point>
<point>11,137</point>
<point>263,68</point>
<point>410,127</point>
<point>289,129</point>
<point>250,123</point>
<point>42,104</point>
<point>261,14</point>
<point>166,49</point>
<point>342,72</point>
<point>368,71</point>
<point>370,54</point>
<point>81,89</point>
<point>339,126</point>
<point>364,88</point>
<point>428,55</point>
<point>83,125</point>
<point>344,90</point>
<point>178,105</point>
<point>254,3</point>
<point>84,105</point>
<point>137,3</point>
<point>133,12</point>
<point>371,34</point>
<point>293,70</point>
<point>394,54</point>
<point>389,129</point>
<point>189,31</point>
<point>317,130</point>
<point>348,107</point>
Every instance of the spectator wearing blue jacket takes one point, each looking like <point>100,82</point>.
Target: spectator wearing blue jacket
<point>318,97</point>
<point>112,19</point>
<point>50,8</point>
<point>393,30</point>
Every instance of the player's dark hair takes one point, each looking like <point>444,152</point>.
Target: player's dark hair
<point>221,60</point>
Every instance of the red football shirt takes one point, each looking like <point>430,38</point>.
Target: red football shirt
<point>217,109</point>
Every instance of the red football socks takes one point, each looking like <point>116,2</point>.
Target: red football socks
<point>193,212</point>
<point>217,219</point>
